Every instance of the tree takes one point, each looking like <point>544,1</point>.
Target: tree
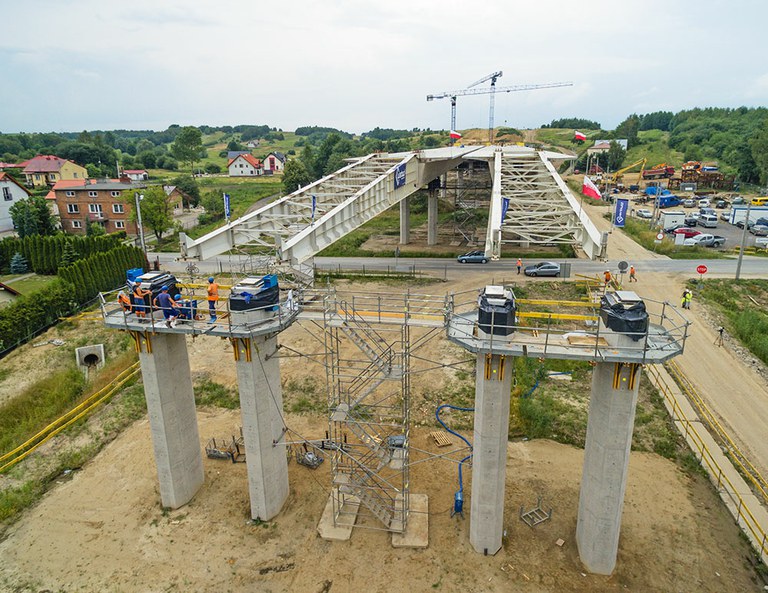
<point>628,129</point>
<point>616,156</point>
<point>759,145</point>
<point>94,229</point>
<point>32,217</point>
<point>18,264</point>
<point>68,256</point>
<point>187,145</point>
<point>295,175</point>
<point>156,210</point>
<point>214,207</point>
<point>188,186</point>
<point>212,168</point>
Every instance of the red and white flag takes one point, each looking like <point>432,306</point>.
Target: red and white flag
<point>455,135</point>
<point>590,189</point>
<point>579,136</point>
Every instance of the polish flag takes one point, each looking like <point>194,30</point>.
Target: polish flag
<point>455,135</point>
<point>590,189</point>
<point>579,136</point>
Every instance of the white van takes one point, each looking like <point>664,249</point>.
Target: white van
<point>708,220</point>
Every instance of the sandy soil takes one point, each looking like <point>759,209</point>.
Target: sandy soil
<point>102,528</point>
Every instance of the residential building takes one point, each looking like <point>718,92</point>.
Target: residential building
<point>244,165</point>
<point>273,162</point>
<point>108,202</point>
<point>176,197</point>
<point>252,143</point>
<point>233,154</point>
<point>10,193</point>
<point>136,174</point>
<point>604,145</point>
<point>48,170</point>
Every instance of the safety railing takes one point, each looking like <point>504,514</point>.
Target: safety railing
<point>667,330</point>
<point>740,508</point>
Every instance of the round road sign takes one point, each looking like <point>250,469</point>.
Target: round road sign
<point>623,266</point>
<point>702,269</point>
<point>660,236</point>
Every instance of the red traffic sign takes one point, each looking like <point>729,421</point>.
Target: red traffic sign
<point>702,269</point>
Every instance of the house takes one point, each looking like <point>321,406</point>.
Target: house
<point>252,143</point>
<point>136,174</point>
<point>108,202</point>
<point>245,165</point>
<point>604,145</point>
<point>176,197</point>
<point>10,193</point>
<point>233,154</point>
<point>48,169</point>
<point>274,161</point>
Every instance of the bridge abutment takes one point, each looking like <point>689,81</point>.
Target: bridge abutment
<point>405,221</point>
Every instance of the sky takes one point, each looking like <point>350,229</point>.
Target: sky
<point>75,65</point>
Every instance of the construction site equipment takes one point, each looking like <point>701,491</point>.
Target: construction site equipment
<point>660,171</point>
<point>536,515</point>
<point>309,458</point>
<point>232,448</point>
<point>489,91</point>
<point>616,178</point>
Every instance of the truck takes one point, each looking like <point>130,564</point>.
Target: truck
<point>660,171</point>
<point>705,240</point>
<point>666,201</point>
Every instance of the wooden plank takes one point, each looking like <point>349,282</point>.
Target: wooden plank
<point>586,341</point>
<point>441,438</point>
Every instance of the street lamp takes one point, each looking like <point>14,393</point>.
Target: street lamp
<point>138,197</point>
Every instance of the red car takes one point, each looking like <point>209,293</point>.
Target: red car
<point>687,232</point>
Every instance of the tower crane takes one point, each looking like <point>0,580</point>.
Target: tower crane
<point>492,90</point>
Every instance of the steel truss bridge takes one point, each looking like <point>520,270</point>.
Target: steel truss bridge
<point>530,204</point>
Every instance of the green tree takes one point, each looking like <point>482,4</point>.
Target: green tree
<point>628,129</point>
<point>214,207</point>
<point>68,256</point>
<point>759,146</point>
<point>188,186</point>
<point>187,145</point>
<point>94,229</point>
<point>295,175</point>
<point>32,217</point>
<point>212,168</point>
<point>156,210</point>
<point>616,156</point>
<point>18,264</point>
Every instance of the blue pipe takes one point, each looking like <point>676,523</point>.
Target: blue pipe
<point>458,498</point>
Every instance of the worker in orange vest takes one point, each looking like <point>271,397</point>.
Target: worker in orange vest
<point>519,265</point>
<point>632,277</point>
<point>213,297</point>
<point>607,277</point>
<point>124,301</point>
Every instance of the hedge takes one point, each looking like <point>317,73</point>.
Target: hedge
<point>101,271</point>
<point>44,253</point>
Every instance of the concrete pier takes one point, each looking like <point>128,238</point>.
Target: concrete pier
<point>432,218</point>
<point>261,405</point>
<point>405,221</point>
<point>172,417</point>
<point>489,463</point>
<point>606,460</point>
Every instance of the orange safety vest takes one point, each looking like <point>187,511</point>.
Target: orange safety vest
<point>213,292</point>
<point>124,301</point>
<point>631,270</point>
<point>519,263</point>
<point>607,277</point>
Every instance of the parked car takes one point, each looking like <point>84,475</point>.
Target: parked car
<point>759,230</point>
<point>687,232</point>
<point>738,200</point>
<point>545,268</point>
<point>721,204</point>
<point>740,224</point>
<point>762,220</point>
<point>643,213</point>
<point>725,215</point>
<point>689,203</point>
<point>473,257</point>
<point>674,227</point>
<point>704,203</point>
<point>705,240</point>
<point>691,220</point>
<point>761,242</point>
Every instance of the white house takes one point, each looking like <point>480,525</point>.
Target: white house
<point>244,165</point>
<point>136,174</point>
<point>274,161</point>
<point>10,193</point>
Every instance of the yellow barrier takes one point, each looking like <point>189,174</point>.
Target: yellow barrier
<point>744,516</point>
<point>75,414</point>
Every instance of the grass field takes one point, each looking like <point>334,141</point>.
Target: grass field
<point>27,285</point>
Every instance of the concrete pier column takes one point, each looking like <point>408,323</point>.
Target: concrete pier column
<point>172,416</point>
<point>261,406</point>
<point>606,461</point>
<point>405,221</point>
<point>489,463</point>
<point>432,218</point>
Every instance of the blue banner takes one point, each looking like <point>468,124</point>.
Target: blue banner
<point>620,215</point>
<point>504,208</point>
<point>314,207</point>
<point>226,206</point>
<point>400,175</point>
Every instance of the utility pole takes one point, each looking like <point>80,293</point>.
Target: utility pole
<point>743,239</point>
<point>139,197</point>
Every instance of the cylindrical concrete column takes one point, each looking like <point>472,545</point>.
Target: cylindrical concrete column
<point>261,406</point>
<point>172,417</point>
<point>432,218</point>
<point>493,387</point>
<point>405,221</point>
<point>606,461</point>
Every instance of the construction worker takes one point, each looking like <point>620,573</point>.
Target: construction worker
<point>125,302</point>
<point>632,277</point>
<point>139,301</point>
<point>685,300</point>
<point>607,277</point>
<point>519,265</point>
<point>165,303</point>
<point>183,307</point>
<point>213,297</point>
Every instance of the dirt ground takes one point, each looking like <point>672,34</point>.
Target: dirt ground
<point>102,528</point>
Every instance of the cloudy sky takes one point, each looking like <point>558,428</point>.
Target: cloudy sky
<point>69,65</point>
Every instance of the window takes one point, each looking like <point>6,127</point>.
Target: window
<point>119,224</point>
<point>70,194</point>
<point>53,177</point>
<point>73,208</point>
<point>7,194</point>
<point>76,224</point>
<point>74,175</point>
<point>117,208</point>
<point>94,208</point>
<point>93,194</point>
<point>114,194</point>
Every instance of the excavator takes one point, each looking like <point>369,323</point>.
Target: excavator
<point>614,179</point>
